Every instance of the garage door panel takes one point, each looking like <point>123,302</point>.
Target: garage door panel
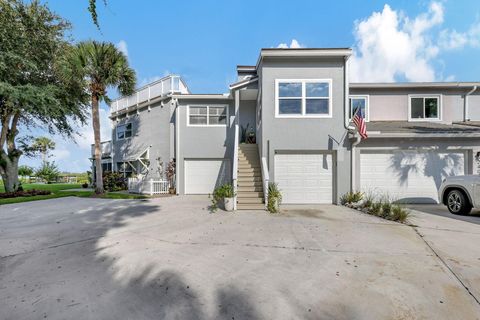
<point>304,178</point>
<point>409,176</point>
<point>203,175</point>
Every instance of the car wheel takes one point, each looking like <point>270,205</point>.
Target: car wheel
<point>457,203</point>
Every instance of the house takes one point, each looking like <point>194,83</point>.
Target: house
<point>297,105</point>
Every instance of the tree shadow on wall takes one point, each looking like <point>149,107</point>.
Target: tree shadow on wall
<point>432,164</point>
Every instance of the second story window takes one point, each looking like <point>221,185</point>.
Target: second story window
<point>360,103</point>
<point>303,98</point>
<point>124,131</point>
<point>424,108</point>
<point>214,115</point>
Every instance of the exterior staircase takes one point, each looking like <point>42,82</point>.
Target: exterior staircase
<point>249,183</point>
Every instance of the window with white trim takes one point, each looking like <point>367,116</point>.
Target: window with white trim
<point>424,108</point>
<point>303,98</point>
<point>124,131</point>
<point>213,115</point>
<point>361,103</point>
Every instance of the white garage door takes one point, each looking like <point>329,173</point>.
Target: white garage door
<point>409,176</point>
<point>202,176</point>
<point>304,178</point>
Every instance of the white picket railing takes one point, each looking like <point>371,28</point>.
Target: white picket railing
<point>151,187</point>
<point>168,85</point>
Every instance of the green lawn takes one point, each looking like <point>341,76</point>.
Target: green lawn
<point>56,193</point>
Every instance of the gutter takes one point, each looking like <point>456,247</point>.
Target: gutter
<point>465,104</point>
<point>380,135</point>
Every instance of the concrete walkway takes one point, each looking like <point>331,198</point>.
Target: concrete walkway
<point>169,258</point>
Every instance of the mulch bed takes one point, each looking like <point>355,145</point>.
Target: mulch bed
<point>27,193</point>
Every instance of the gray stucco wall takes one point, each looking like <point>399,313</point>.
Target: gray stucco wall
<point>392,104</point>
<point>150,128</point>
<point>302,134</point>
<point>203,142</point>
<point>247,113</point>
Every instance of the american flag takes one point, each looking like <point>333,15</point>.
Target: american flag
<point>359,121</point>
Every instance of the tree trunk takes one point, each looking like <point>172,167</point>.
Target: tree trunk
<point>98,151</point>
<point>9,171</point>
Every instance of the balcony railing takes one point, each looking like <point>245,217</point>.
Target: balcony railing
<point>106,148</point>
<point>163,87</point>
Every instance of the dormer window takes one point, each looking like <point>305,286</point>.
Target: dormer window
<point>424,108</point>
<point>303,98</point>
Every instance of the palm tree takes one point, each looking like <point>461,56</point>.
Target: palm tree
<point>102,66</point>
<point>43,145</point>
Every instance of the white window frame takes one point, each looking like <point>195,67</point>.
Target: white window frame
<point>367,105</point>
<point>304,98</point>
<point>208,115</point>
<point>124,125</point>
<point>425,96</point>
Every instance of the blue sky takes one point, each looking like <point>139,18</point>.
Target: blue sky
<point>203,41</point>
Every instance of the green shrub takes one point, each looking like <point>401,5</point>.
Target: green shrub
<point>399,213</point>
<point>114,181</point>
<point>274,197</point>
<point>368,201</point>
<point>351,197</point>
<point>224,191</point>
<point>375,209</point>
<point>386,210</point>
<point>48,172</point>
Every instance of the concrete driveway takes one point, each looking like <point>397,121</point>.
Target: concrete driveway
<point>442,211</point>
<point>169,258</point>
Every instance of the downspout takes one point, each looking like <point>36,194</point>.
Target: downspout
<point>347,99</point>
<point>347,125</point>
<point>465,104</point>
<point>177,143</point>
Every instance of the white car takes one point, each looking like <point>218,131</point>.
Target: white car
<point>460,193</point>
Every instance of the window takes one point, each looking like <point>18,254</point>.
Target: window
<point>359,102</point>
<point>207,115</point>
<point>124,131</point>
<point>303,98</point>
<point>424,108</point>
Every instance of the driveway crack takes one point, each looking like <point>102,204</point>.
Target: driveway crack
<point>448,267</point>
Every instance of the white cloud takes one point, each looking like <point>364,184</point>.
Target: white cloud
<point>122,46</point>
<point>293,45</point>
<point>390,45</point>
<point>452,39</point>
<point>73,156</point>
<point>148,80</point>
<point>84,136</point>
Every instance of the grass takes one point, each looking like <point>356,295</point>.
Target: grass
<point>56,188</point>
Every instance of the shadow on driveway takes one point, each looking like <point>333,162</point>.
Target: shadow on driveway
<point>68,275</point>
<point>442,211</point>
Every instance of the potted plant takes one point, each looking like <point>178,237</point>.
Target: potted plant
<point>274,198</point>
<point>224,194</point>
<point>251,136</point>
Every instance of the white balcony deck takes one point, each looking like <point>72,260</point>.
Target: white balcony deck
<point>171,84</point>
<point>106,148</point>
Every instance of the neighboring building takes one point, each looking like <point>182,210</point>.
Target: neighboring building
<point>298,103</point>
